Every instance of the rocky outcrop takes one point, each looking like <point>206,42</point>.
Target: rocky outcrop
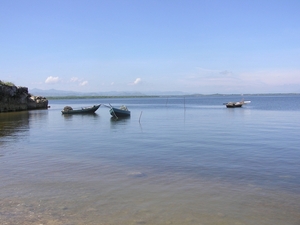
<point>13,98</point>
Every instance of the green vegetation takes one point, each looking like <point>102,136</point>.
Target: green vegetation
<point>7,83</point>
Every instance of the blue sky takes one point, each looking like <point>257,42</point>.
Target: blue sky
<point>194,46</point>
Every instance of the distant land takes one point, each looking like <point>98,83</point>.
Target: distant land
<point>53,93</point>
<point>61,93</point>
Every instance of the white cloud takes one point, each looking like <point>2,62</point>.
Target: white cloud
<point>79,81</point>
<point>52,80</point>
<point>74,79</point>
<point>83,83</point>
<point>137,81</point>
<point>214,81</point>
<point>203,77</point>
<point>272,77</point>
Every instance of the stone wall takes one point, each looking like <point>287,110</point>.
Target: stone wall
<point>13,98</point>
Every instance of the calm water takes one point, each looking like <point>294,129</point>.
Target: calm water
<point>174,161</point>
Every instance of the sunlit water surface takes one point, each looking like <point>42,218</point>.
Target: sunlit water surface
<point>174,161</point>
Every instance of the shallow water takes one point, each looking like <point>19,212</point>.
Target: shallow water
<point>174,161</point>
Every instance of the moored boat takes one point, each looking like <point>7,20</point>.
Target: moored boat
<point>119,112</point>
<point>236,104</point>
<point>83,110</point>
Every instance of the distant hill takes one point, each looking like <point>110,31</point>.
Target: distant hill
<point>60,93</point>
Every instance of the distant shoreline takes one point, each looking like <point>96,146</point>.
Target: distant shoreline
<point>93,97</point>
<point>160,96</point>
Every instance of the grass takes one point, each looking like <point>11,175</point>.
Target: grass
<point>7,83</point>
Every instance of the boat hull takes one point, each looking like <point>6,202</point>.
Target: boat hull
<point>119,112</point>
<point>234,105</point>
<point>86,110</point>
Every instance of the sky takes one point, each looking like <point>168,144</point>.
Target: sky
<point>193,46</point>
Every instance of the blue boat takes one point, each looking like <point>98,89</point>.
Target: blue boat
<point>121,112</point>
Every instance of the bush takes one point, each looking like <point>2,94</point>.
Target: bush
<point>7,83</point>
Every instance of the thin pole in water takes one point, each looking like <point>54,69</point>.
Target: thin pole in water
<point>140,116</point>
<point>113,111</point>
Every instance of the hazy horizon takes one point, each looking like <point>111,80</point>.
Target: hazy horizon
<point>55,92</point>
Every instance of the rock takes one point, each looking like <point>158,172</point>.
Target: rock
<point>13,98</point>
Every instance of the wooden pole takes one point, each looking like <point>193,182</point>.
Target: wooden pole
<point>113,111</point>
<point>140,116</point>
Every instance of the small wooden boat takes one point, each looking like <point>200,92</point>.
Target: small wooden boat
<point>121,112</point>
<point>236,104</point>
<point>83,110</point>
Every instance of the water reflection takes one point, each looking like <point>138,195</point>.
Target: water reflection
<point>114,119</point>
<point>232,112</point>
<point>120,122</point>
<point>88,115</point>
<point>14,122</point>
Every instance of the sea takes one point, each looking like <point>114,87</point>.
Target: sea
<point>181,160</point>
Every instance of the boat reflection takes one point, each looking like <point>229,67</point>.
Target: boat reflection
<point>119,119</point>
<point>119,123</point>
<point>70,116</point>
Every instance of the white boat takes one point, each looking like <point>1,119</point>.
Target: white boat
<point>236,104</point>
<point>83,110</point>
